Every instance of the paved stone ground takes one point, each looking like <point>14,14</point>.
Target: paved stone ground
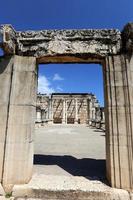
<point>72,150</point>
<point>69,165</point>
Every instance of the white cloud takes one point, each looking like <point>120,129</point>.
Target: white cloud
<point>44,86</point>
<point>57,77</point>
<point>59,89</point>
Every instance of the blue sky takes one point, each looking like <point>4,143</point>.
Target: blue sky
<point>68,14</point>
<point>71,78</point>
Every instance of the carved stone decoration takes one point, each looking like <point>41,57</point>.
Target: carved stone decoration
<point>8,39</point>
<point>59,42</point>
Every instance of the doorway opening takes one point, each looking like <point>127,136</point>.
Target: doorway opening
<point>70,121</point>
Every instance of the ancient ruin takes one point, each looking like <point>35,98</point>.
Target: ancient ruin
<point>68,108</point>
<point>23,51</point>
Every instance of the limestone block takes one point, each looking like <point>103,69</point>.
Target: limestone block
<point>119,143</point>
<point>117,121</point>
<point>24,63</point>
<point>69,42</point>
<point>23,114</point>
<point>127,35</point>
<point>23,132</point>
<point>5,82</point>
<point>114,78</point>
<point>24,72</point>
<point>7,39</point>
<point>117,96</point>
<point>18,160</point>
<point>23,93</point>
<point>122,140</point>
<point>113,64</point>
<point>5,64</point>
<point>3,113</point>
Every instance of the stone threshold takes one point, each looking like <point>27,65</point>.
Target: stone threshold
<point>51,187</point>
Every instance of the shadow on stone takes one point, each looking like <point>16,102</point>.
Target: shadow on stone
<point>89,168</point>
<point>99,131</point>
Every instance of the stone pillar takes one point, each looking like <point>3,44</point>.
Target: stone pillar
<point>38,116</point>
<point>64,112</point>
<point>118,76</point>
<point>6,67</point>
<point>102,115</point>
<point>20,84</point>
<point>47,114</point>
<point>43,115</point>
<point>76,111</point>
<point>50,111</point>
<point>88,111</point>
<point>93,113</point>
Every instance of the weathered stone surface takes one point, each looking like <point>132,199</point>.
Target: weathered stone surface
<point>8,39</point>
<point>111,48</point>
<point>59,42</point>
<point>52,43</point>
<point>119,145</point>
<point>69,42</point>
<point>127,37</point>
<point>18,156</point>
<point>63,187</point>
<point>5,81</point>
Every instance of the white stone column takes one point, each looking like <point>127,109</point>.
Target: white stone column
<point>38,116</point>
<point>119,120</point>
<point>88,111</point>
<point>20,124</point>
<point>103,116</point>
<point>64,112</point>
<point>50,111</point>
<point>43,115</point>
<point>93,113</point>
<point>76,111</point>
<point>47,114</point>
<point>6,67</point>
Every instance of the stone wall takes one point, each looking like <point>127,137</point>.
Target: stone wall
<point>68,108</point>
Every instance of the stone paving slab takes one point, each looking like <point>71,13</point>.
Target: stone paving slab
<point>68,188</point>
<point>55,183</point>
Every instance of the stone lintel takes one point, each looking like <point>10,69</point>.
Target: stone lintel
<point>87,45</point>
<point>53,43</point>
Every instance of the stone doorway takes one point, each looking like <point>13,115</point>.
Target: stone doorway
<point>59,141</point>
<point>18,78</point>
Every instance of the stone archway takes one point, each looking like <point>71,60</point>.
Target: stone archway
<point>18,78</point>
